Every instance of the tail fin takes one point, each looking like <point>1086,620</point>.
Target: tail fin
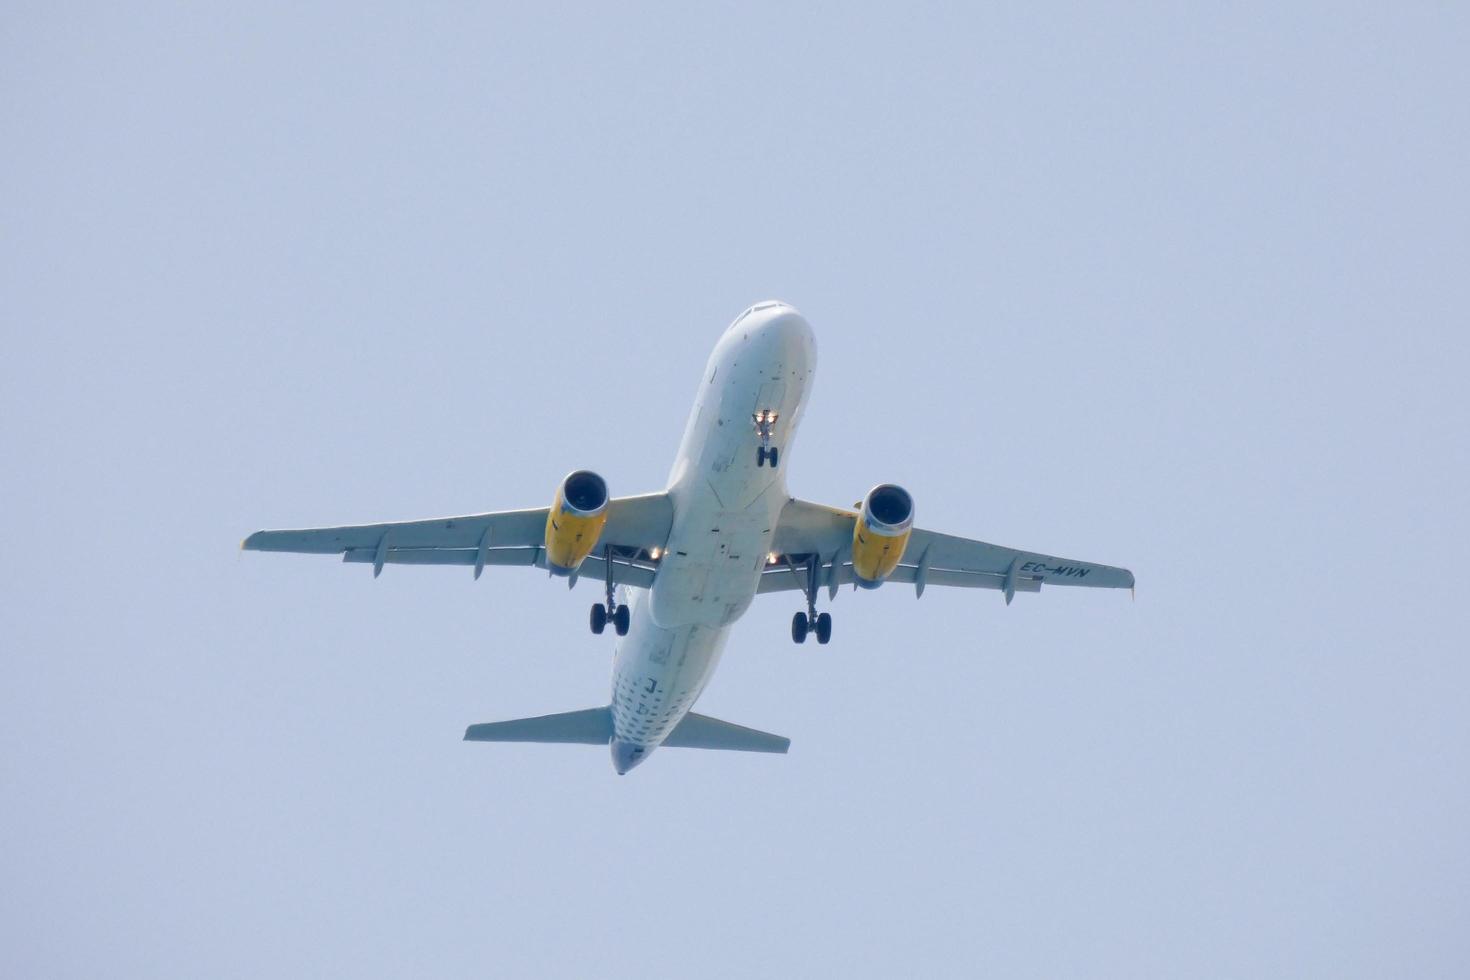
<point>592,726</point>
<point>704,732</point>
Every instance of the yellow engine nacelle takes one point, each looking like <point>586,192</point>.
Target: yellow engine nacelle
<point>881,533</point>
<point>575,521</point>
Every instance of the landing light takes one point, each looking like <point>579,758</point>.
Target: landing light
<point>771,558</point>
<point>653,554</point>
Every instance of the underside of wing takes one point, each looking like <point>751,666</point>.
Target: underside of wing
<point>629,566</point>
<point>507,528</point>
<point>813,543</point>
<point>781,577</point>
<point>636,529</point>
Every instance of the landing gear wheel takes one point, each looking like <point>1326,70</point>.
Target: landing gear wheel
<point>824,627</point>
<point>620,620</point>
<point>760,456</point>
<point>799,627</point>
<point>599,617</point>
<point>771,455</point>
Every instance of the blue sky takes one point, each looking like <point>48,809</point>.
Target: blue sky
<point>1176,289</point>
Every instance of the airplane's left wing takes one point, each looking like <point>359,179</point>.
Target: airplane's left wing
<point>812,539</point>
<point>635,527</point>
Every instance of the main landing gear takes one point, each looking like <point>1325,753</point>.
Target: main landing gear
<point>610,612</point>
<point>804,623</point>
<point>809,622</point>
<point>765,425</point>
<point>619,619</point>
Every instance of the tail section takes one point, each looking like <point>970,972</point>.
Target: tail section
<point>704,732</point>
<point>592,726</point>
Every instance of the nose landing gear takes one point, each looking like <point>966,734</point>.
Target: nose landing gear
<point>810,622</point>
<point>611,612</point>
<point>765,426</point>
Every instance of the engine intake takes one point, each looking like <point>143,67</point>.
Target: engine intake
<point>881,533</point>
<point>575,521</point>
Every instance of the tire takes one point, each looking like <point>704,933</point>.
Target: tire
<point>772,457</point>
<point>824,627</point>
<point>620,620</point>
<point>599,618</point>
<point>760,456</point>
<point>799,626</point>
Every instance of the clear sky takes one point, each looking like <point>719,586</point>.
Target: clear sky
<point>1171,287</point>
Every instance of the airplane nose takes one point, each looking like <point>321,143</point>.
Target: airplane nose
<point>777,332</point>
<point>626,755</point>
<point>785,325</point>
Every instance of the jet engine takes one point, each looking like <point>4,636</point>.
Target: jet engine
<point>575,521</point>
<point>881,533</point>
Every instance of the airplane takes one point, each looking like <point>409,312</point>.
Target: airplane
<point>698,553</point>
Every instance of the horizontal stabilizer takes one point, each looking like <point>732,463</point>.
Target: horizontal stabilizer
<point>703,732</point>
<point>592,726</point>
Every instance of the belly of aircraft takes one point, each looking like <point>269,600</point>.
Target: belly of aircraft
<point>710,573</point>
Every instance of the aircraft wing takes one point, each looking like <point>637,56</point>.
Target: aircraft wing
<point>812,539</point>
<point>635,527</point>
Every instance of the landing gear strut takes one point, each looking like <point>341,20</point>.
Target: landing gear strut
<point>611,612</point>
<point>765,425</point>
<point>809,622</point>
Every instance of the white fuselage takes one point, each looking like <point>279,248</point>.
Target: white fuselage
<point>725,512</point>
